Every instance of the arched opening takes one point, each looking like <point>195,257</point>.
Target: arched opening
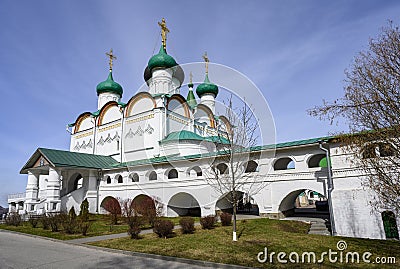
<point>315,160</point>
<point>110,204</point>
<point>246,204</point>
<point>284,164</point>
<point>134,177</point>
<point>119,179</point>
<point>108,180</point>
<point>304,202</point>
<point>173,173</point>
<point>183,204</point>
<point>251,166</point>
<point>75,182</point>
<point>222,169</point>
<point>153,175</point>
<point>144,204</point>
<point>390,225</point>
<point>195,172</point>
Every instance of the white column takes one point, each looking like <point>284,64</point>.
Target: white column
<point>91,194</point>
<point>32,188</point>
<point>53,190</point>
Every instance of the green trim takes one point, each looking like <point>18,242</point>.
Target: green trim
<point>71,124</point>
<point>96,113</point>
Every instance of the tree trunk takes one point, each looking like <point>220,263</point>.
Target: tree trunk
<point>234,238</point>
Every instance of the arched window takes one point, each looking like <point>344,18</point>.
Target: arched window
<point>172,174</point>
<point>195,172</point>
<point>315,160</point>
<point>108,180</point>
<point>222,169</point>
<point>390,225</point>
<point>284,164</point>
<point>134,177</point>
<point>251,166</point>
<point>153,176</point>
<point>119,179</point>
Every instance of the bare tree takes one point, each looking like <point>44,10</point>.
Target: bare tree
<point>371,107</point>
<point>133,220</point>
<point>229,172</point>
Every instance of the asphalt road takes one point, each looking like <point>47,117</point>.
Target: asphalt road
<point>23,252</point>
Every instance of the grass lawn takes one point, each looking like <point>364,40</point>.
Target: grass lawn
<point>287,236</point>
<point>100,226</point>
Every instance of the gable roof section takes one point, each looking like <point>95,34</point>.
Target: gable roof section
<point>62,158</point>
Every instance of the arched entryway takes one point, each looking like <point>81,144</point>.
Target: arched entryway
<point>245,204</point>
<point>304,202</point>
<point>183,204</point>
<point>110,203</point>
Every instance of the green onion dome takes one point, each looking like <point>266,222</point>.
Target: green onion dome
<point>207,87</point>
<point>161,59</point>
<point>109,85</point>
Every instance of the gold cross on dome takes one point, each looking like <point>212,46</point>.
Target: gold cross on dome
<point>206,60</point>
<point>164,32</point>
<point>112,57</point>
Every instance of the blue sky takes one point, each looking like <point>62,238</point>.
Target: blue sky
<point>52,57</point>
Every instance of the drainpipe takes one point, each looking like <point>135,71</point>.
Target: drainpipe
<point>330,186</point>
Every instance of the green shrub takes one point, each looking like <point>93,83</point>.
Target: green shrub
<point>187,225</point>
<point>13,219</point>
<point>163,228</point>
<point>84,214</point>
<point>44,220</point>
<point>208,222</point>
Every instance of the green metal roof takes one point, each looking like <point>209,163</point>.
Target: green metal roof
<point>218,139</point>
<point>61,158</point>
<point>182,135</point>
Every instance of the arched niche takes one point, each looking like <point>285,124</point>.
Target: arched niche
<point>83,122</point>
<point>225,125</point>
<point>109,113</point>
<point>140,103</point>
<point>177,104</point>
<point>204,114</point>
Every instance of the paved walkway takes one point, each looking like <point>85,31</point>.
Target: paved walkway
<point>20,251</point>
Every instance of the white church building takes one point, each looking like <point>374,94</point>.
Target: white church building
<point>158,145</point>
